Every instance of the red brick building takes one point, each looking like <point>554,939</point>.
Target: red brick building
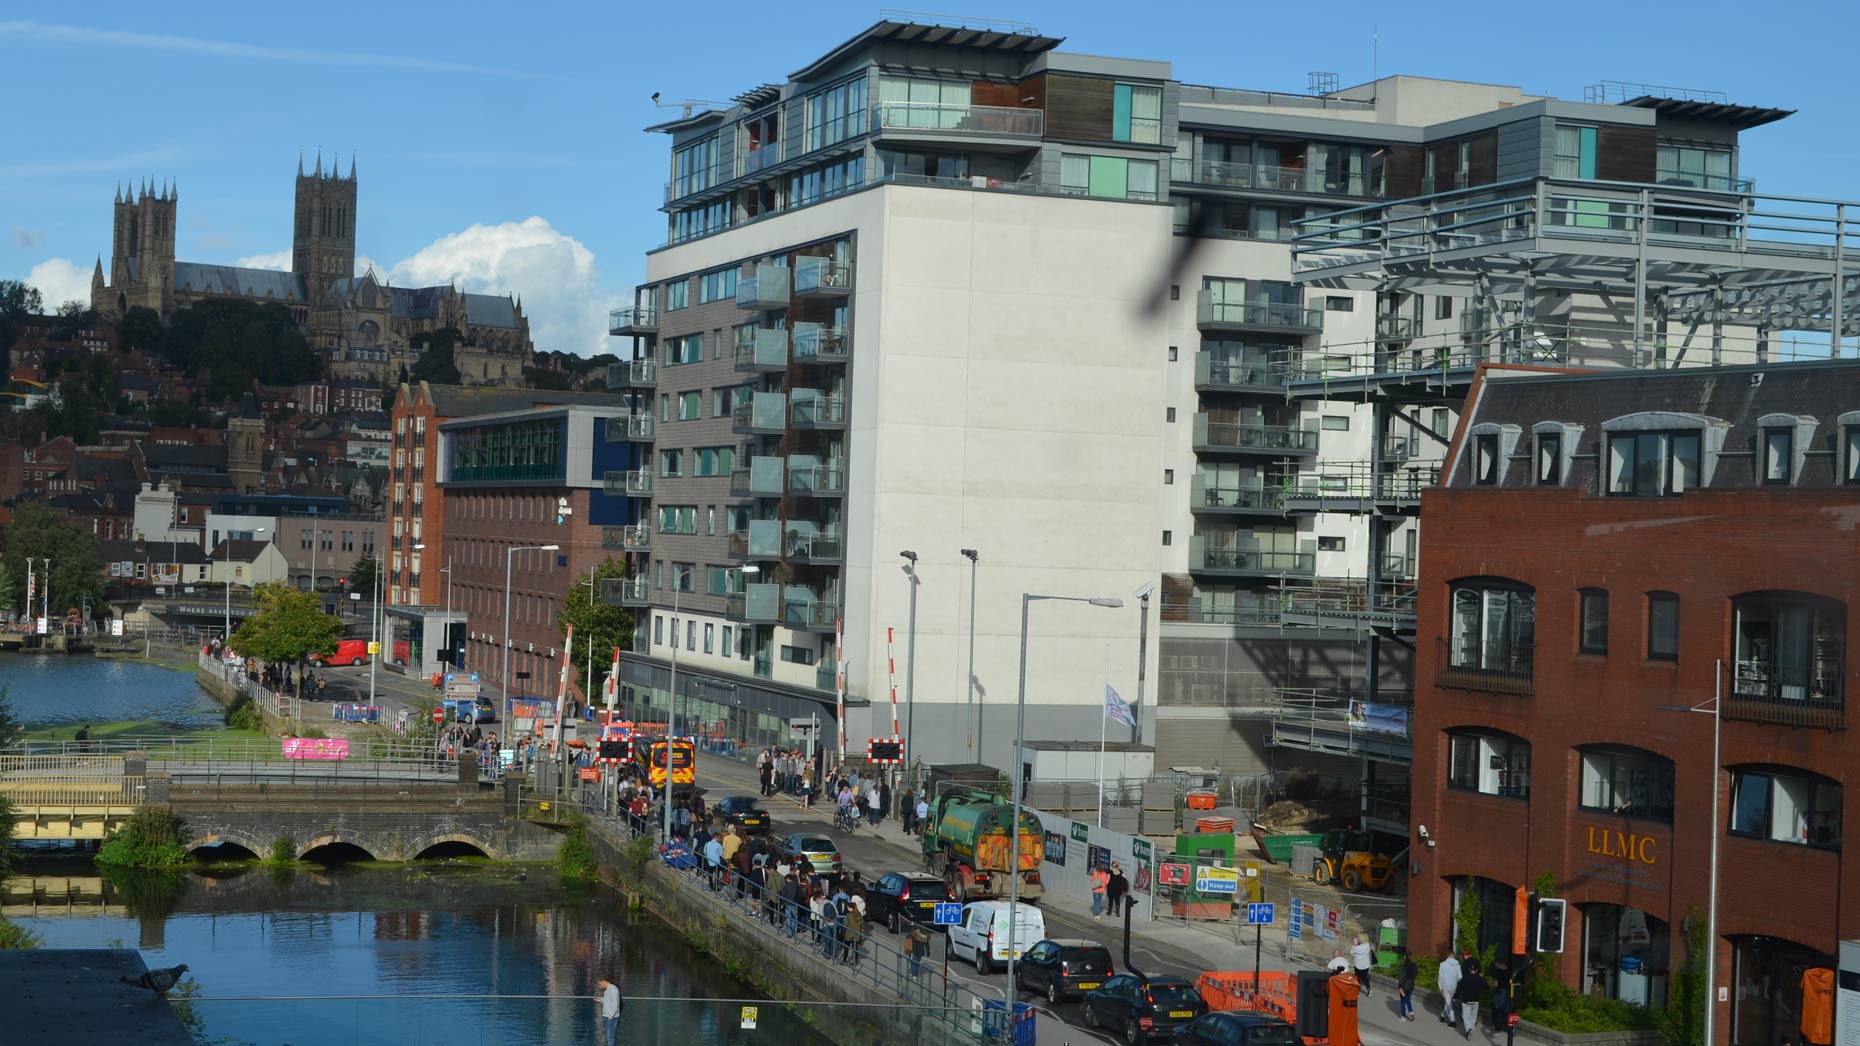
<point>1606,552</point>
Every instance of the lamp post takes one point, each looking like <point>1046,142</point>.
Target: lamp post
<point>910,665</point>
<point>672,696</point>
<point>1020,744</point>
<point>316,534</point>
<point>510,555</point>
<point>975,723</point>
<point>1715,709</point>
<point>226,565</point>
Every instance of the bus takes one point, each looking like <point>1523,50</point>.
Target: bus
<point>649,755</point>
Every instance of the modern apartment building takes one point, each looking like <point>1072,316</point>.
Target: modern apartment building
<point>950,288</point>
<point>1610,555</point>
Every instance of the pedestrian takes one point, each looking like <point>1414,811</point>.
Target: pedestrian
<point>1448,980</point>
<point>1115,888</point>
<point>855,929</point>
<point>907,810</point>
<point>1471,989</point>
<point>765,769</point>
<point>83,738</point>
<point>918,947</point>
<point>610,1011</point>
<point>1337,963</point>
<point>713,861</point>
<point>920,823</point>
<point>1100,879</point>
<point>1362,956</point>
<point>1405,979</point>
<point>792,900</point>
<point>883,809</point>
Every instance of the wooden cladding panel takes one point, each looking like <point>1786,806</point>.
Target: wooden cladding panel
<point>1484,159</point>
<point>1078,107</point>
<point>988,92</point>
<point>1625,154</point>
<point>1405,165</point>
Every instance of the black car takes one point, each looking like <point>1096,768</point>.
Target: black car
<point>1141,1010</point>
<point>1063,968</point>
<point>898,899</point>
<point>742,811</point>
<point>1236,1028</point>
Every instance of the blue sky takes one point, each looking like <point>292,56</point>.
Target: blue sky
<point>500,144</point>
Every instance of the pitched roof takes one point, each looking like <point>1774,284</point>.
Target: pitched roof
<point>490,310</point>
<point>239,282</point>
<point>152,551</point>
<point>462,401</point>
<point>230,551</point>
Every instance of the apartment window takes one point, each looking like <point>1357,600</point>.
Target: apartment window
<point>1662,626</point>
<point>1593,638</point>
<point>905,101</point>
<point>1789,650</point>
<point>1168,537</point>
<point>688,349</point>
<point>717,286</point>
<point>729,640</point>
<point>1169,415</point>
<point>671,463</point>
<point>798,655</point>
<point>1778,456</point>
<point>1490,763</point>
<point>1339,303</point>
<point>1168,477</point>
<point>1627,782</point>
<point>691,636</point>
<point>1549,459</point>
<point>722,401</point>
<point>368,539</point>
<point>665,406</point>
<point>1136,114</point>
<point>1786,805</point>
<point>304,540</point>
<point>684,577</point>
<point>1107,177</point>
<point>693,168</point>
<point>1172,354</point>
<point>348,541</point>
<point>835,114</point>
<point>690,406</point>
<point>658,629</point>
<point>1485,459</point>
<point>1442,426</point>
<point>1336,423</point>
<point>1649,464</point>
<point>677,519</point>
<point>1853,454</point>
<point>1494,626</point>
<point>677,295</point>
<point>710,520</point>
<point>715,461</point>
<point>1575,152</point>
<point>1330,544</point>
<point>1694,167</point>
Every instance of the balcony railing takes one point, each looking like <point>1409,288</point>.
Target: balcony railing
<point>762,479</point>
<point>1217,559</point>
<point>633,537</point>
<point>1206,612</point>
<point>1215,436</point>
<point>765,414</point>
<point>827,546</point>
<point>766,289</point>
<point>1396,565</point>
<point>1256,315</point>
<point>636,483</point>
<point>1397,448</point>
<point>761,540</point>
<point>1218,373</point>
<point>637,428</point>
<point>633,319</point>
<point>818,412</point>
<point>824,479</point>
<point>1394,328</point>
<point>626,592</point>
<point>821,277</point>
<point>1204,496</point>
<point>1229,175</point>
<point>1764,692</point>
<point>1504,674</point>
<point>762,350</point>
<point>816,615</point>
<point>1701,180</point>
<point>634,374</point>
<point>960,119</point>
<point>819,343</point>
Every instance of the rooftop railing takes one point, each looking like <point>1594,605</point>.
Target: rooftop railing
<point>960,119</point>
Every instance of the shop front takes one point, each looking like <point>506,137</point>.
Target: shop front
<point>1766,988</point>
<point>1626,955</point>
<point>729,717</point>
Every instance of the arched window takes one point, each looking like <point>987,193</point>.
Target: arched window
<point>1489,762</point>
<point>1631,782</point>
<point>1491,635</point>
<point>1788,662</point>
<point>1786,805</point>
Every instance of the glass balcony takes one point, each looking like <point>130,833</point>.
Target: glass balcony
<point>826,677</point>
<point>636,483</point>
<point>637,428</point>
<point>626,592</point>
<point>809,544</point>
<point>813,409</point>
<point>819,343</point>
<point>808,611</point>
<point>1701,180</point>
<point>816,277</point>
<point>766,414</point>
<point>1211,315</point>
<point>1225,374</point>
<point>758,603</point>
<point>1222,437</point>
<point>809,476</point>
<point>762,479</point>
<point>1228,561</point>
<point>981,120</point>
<point>634,319</point>
<point>1396,566</point>
<point>1209,498</point>
<point>766,289</point>
<point>635,537</point>
<point>635,374</point>
<point>762,540</point>
<point>764,350</point>
<point>611,540</point>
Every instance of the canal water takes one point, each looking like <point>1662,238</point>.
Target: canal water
<point>72,689</point>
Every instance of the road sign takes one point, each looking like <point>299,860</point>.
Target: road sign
<point>373,647</point>
<point>884,750</point>
<point>803,728</point>
<point>1216,880</point>
<point>474,677</point>
<point>1259,914</point>
<point>439,715</point>
<point>355,596</point>
<point>947,913</point>
<point>749,1018</point>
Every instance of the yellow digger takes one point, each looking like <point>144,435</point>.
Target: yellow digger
<point>1349,862</point>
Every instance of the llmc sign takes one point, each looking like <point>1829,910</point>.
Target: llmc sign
<point>1625,845</point>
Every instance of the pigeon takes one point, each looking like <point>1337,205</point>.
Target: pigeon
<point>161,982</point>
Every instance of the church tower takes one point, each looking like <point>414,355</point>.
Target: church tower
<point>141,252</point>
<point>323,241</point>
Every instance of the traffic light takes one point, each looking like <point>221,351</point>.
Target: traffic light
<point>342,583</point>
<point>1549,924</point>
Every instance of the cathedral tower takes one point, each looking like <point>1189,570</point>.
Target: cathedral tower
<point>141,251</point>
<point>323,241</point>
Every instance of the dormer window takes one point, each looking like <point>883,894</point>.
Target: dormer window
<point>1778,456</point>
<point>1549,459</point>
<point>1485,459</point>
<point>1652,464</point>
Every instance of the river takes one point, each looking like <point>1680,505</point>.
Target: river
<point>70,689</point>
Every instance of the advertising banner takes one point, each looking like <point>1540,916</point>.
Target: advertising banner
<point>1379,719</point>
<point>316,748</point>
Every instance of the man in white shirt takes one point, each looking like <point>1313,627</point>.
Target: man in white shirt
<point>1448,979</point>
<point>1337,963</point>
<point>1362,956</point>
<point>610,1012</point>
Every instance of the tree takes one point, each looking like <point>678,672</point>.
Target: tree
<point>362,574</point>
<point>37,532</point>
<point>73,316</point>
<point>290,626</point>
<point>550,380</point>
<point>595,622</point>
<point>140,328</point>
<point>19,300</point>
<point>437,365</point>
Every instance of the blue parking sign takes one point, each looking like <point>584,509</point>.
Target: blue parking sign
<point>948,913</point>
<point>1259,914</point>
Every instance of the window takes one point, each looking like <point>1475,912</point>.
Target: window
<point>1169,415</point>
<point>688,349</point>
<point>693,169</point>
<point>1549,459</point>
<point>835,114</point>
<point>1786,806</point>
<point>1494,626</point>
<point>1662,626</point>
<point>798,655</point>
<point>1593,638</point>
<point>1330,544</point>
<point>717,286</point>
<point>1485,458</point>
<point>690,406</point>
<point>1443,423</point>
<point>715,461</point>
<point>658,629</point>
<point>677,295</point>
<point>691,636</point>
<point>729,640</point>
<point>684,577</point>
<point>1575,152</point>
<point>710,638</point>
<point>1853,454</point>
<point>1778,456</point>
<point>1168,538</point>
<point>1136,114</point>
<point>1168,477</point>
<point>905,101</point>
<point>665,406</point>
<point>1489,763</point>
<point>1695,167</point>
<point>1108,177</point>
<point>1788,657</point>
<point>671,463</point>
<point>677,519</point>
<point>1626,781</point>
<point>1336,423</point>
<point>1339,303</point>
<point>1648,464</point>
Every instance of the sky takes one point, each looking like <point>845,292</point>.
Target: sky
<point>500,146</point>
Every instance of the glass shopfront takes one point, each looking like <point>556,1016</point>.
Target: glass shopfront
<point>1766,989</point>
<point>1625,954</point>
<point>719,713</point>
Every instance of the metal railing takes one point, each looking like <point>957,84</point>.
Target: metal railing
<point>1223,174</point>
<point>1222,372</point>
<point>829,478</point>
<point>959,119</point>
<point>1204,612</point>
<point>1468,670</point>
<point>1357,481</point>
<point>1289,315</point>
<point>1253,560</point>
<point>817,411</point>
<point>817,275</point>
<point>641,374</point>
<point>827,546</point>
<point>819,343</point>
<point>1241,436</point>
<point>636,427</point>
<point>1256,497</point>
<point>633,318</point>
<point>1794,696</point>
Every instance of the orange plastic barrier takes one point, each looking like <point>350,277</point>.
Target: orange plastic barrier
<point>1276,992</point>
<point>1214,824</point>
<point>1202,800</point>
<point>1343,997</point>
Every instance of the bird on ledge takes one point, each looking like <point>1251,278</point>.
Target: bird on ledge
<point>161,982</point>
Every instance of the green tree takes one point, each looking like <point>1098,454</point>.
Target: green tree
<point>140,328</point>
<point>363,574</point>
<point>73,316</point>
<point>290,626</point>
<point>436,365</point>
<point>11,730</point>
<point>549,380</point>
<point>1682,1022</point>
<point>19,300</point>
<point>596,622</point>
<point>38,531</point>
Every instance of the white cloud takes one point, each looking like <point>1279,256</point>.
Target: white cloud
<point>60,281</point>
<point>280,260</point>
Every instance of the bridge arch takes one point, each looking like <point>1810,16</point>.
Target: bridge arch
<point>368,846</point>
<point>425,843</point>
<point>237,838</point>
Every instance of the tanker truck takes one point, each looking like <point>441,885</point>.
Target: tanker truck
<point>966,841</point>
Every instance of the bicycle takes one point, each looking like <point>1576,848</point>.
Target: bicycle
<point>845,819</point>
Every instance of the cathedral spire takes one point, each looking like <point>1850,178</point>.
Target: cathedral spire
<point>319,161</point>
<point>351,165</point>
<point>300,163</point>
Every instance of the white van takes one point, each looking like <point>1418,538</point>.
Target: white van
<point>982,936</point>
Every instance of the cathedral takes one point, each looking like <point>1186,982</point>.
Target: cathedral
<point>361,325</point>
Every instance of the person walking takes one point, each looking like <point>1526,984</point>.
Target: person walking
<point>883,809</point>
<point>1404,983</point>
<point>1115,888</point>
<point>1471,988</point>
<point>1448,980</point>
<point>1100,879</point>
<point>1337,963</point>
<point>920,823</point>
<point>713,861</point>
<point>611,1006</point>
<point>1362,956</point>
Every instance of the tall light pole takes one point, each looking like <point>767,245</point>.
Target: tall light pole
<point>671,698</point>
<point>1143,650</point>
<point>227,567</point>
<point>1020,757</point>
<point>910,666</point>
<point>510,555</point>
<point>315,536</point>
<point>975,723</point>
<point>1715,709</point>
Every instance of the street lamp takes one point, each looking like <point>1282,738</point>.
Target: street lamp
<point>1020,745</point>
<point>227,585</point>
<point>975,723</point>
<point>1715,709</point>
<point>910,667</point>
<point>510,556</point>
<point>672,696</point>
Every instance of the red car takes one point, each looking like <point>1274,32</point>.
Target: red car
<point>348,652</point>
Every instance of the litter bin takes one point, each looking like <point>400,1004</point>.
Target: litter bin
<point>994,1019</point>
